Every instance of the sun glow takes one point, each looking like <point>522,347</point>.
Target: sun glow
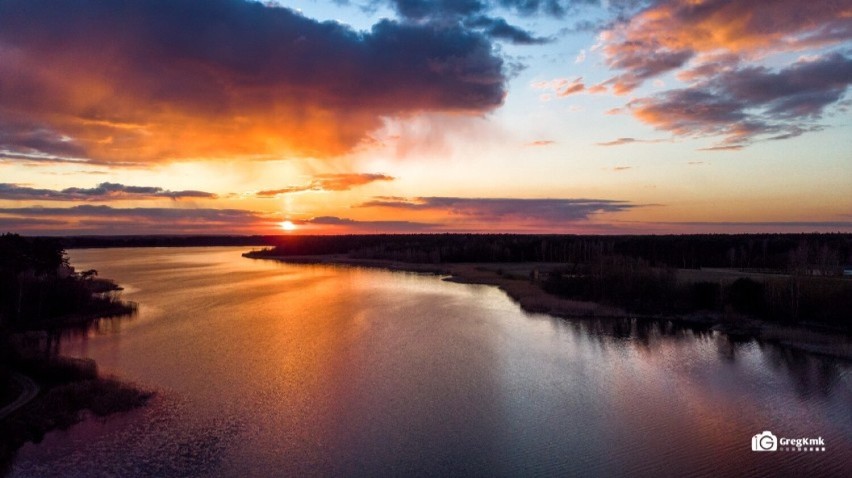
<point>287,226</point>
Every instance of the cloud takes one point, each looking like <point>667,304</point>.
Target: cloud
<point>435,9</point>
<point>541,142</point>
<point>498,28</point>
<point>27,223</point>
<point>562,86</point>
<point>497,209</point>
<point>690,29</point>
<point>35,158</point>
<point>621,168</point>
<point>727,52</point>
<point>623,141</point>
<point>473,14</point>
<point>751,103</point>
<point>356,226</point>
<point>329,182</point>
<point>101,192</point>
<point>553,8</point>
<point>643,67</point>
<point>90,219</point>
<point>154,80</point>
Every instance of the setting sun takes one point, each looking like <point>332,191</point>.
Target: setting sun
<point>287,226</point>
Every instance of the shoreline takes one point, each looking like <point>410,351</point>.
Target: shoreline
<point>510,278</point>
<point>47,391</point>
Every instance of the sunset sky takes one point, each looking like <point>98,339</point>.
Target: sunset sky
<point>363,116</point>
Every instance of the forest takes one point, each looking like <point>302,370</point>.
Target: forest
<point>823,254</point>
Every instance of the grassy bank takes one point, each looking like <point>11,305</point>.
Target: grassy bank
<point>69,390</point>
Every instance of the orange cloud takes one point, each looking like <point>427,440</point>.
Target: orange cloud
<point>623,141</point>
<point>670,33</point>
<point>562,86</point>
<point>329,182</point>
<point>148,80</point>
<point>541,142</point>
<point>723,50</point>
<point>751,103</point>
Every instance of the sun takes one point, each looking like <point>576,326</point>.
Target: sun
<point>287,225</point>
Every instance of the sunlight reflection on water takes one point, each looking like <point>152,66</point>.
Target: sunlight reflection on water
<point>271,369</point>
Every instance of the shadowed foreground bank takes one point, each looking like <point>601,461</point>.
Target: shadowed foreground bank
<point>41,298</point>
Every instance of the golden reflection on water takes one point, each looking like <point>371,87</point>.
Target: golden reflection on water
<point>285,369</point>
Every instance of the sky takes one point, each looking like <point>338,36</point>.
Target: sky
<point>421,116</point>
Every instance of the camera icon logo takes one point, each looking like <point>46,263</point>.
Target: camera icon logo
<point>765,441</point>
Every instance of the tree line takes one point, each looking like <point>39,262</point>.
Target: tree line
<point>40,290</point>
<point>814,254</point>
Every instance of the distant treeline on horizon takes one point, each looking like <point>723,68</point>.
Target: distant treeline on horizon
<point>827,253</point>
<point>752,251</point>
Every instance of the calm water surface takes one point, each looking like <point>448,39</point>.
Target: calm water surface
<point>267,369</point>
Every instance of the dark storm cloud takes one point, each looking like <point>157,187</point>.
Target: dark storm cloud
<point>420,9</point>
<point>500,29</point>
<point>428,9</point>
<point>475,14</point>
<point>31,137</point>
<point>101,192</point>
<point>546,210</point>
<point>147,80</point>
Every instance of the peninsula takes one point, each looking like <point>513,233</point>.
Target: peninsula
<point>42,297</point>
<point>787,289</point>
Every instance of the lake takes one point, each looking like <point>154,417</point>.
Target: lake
<point>268,369</point>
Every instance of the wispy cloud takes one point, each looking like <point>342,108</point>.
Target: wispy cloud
<point>541,142</point>
<point>495,209</point>
<point>638,47</point>
<point>329,182</point>
<point>91,219</point>
<point>723,50</point>
<point>101,192</point>
<point>751,103</point>
<point>561,87</point>
<point>339,224</point>
<point>623,141</point>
